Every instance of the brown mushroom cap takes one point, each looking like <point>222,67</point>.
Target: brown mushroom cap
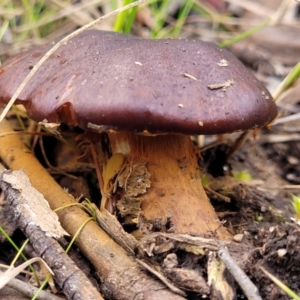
<point>128,83</point>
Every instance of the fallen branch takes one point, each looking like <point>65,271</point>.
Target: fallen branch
<point>239,275</point>
<point>120,275</point>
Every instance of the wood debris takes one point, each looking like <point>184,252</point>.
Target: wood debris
<point>189,76</point>
<point>222,86</point>
<point>223,63</point>
<point>51,127</point>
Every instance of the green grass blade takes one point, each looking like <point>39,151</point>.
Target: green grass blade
<point>130,20</point>
<point>244,34</point>
<point>3,29</point>
<point>281,285</point>
<point>121,19</point>
<point>184,12</point>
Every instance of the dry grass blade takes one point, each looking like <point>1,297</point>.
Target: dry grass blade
<point>13,272</point>
<point>279,138</point>
<point>79,16</point>
<point>254,7</point>
<point>56,46</point>
<point>286,119</point>
<point>30,291</point>
<point>73,12</point>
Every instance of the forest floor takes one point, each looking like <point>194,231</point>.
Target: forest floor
<point>251,189</point>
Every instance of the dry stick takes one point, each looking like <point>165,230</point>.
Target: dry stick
<point>114,229</point>
<point>217,195</point>
<point>238,274</point>
<point>165,280</point>
<point>121,276</point>
<point>238,143</point>
<point>29,290</point>
<point>56,46</point>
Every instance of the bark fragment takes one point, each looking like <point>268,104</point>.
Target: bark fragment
<point>32,205</point>
<point>134,180</point>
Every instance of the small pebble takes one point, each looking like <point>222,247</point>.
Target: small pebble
<point>281,252</point>
<point>238,237</point>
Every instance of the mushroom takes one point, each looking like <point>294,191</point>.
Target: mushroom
<point>145,97</point>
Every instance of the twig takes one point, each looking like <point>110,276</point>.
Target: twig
<point>56,46</point>
<point>114,229</point>
<point>217,195</point>
<point>238,143</point>
<point>169,284</point>
<point>238,274</point>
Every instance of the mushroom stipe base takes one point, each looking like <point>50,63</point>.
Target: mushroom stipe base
<point>172,180</point>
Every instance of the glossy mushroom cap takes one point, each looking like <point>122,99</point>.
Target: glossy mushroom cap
<point>128,83</point>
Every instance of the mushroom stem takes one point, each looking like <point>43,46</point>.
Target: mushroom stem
<point>175,189</point>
